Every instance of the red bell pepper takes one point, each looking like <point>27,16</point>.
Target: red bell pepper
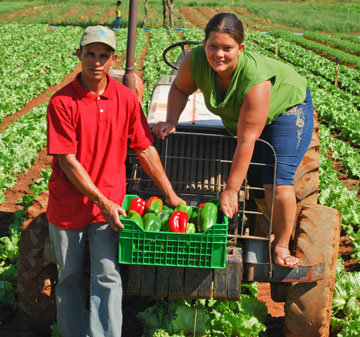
<point>178,222</point>
<point>138,205</point>
<point>154,205</point>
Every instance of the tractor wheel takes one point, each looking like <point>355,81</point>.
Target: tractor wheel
<point>308,305</point>
<point>36,276</point>
<point>306,179</point>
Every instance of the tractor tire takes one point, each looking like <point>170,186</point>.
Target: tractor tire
<point>36,276</point>
<point>306,179</point>
<point>308,305</point>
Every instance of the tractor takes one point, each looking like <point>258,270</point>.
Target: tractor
<point>197,160</point>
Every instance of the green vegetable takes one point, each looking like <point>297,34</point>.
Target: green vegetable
<point>165,227</point>
<point>154,205</point>
<point>175,317</point>
<point>165,214</point>
<point>193,218</point>
<point>190,228</point>
<point>151,222</point>
<point>136,217</point>
<point>184,208</point>
<point>207,216</point>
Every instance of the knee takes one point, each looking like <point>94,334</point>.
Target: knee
<point>284,191</point>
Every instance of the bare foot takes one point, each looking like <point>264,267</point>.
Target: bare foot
<point>283,258</point>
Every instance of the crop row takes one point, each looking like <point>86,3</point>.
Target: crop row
<point>318,47</point>
<point>348,78</point>
<point>19,145</point>
<point>340,151</point>
<point>335,107</point>
<point>43,67</point>
<point>153,65</point>
<point>345,45</point>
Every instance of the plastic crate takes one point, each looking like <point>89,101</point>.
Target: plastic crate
<point>198,250</point>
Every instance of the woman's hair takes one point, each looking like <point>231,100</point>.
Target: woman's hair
<point>226,23</point>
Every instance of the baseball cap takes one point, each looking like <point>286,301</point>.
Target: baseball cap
<point>100,34</point>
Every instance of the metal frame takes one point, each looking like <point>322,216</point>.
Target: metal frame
<point>187,162</point>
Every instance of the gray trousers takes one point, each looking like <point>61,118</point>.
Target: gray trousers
<point>104,317</point>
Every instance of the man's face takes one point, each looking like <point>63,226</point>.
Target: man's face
<point>96,60</point>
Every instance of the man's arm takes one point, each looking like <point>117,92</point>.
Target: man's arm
<point>78,176</point>
<point>151,163</point>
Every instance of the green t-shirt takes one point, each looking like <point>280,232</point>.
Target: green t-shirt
<point>288,87</point>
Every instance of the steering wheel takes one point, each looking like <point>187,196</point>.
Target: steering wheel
<point>181,44</point>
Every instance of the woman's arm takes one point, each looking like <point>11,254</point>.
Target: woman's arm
<point>182,87</point>
<point>150,161</point>
<point>252,119</point>
<point>79,177</point>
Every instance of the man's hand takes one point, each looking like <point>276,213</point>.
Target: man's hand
<point>229,202</point>
<point>111,212</point>
<point>174,201</point>
<point>163,129</point>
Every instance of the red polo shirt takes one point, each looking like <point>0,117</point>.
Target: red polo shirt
<point>98,129</point>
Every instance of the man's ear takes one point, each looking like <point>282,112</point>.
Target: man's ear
<point>78,54</point>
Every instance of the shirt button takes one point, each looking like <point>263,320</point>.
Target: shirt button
<point>98,97</point>
<point>101,110</point>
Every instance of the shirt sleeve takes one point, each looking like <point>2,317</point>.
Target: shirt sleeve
<point>140,136</point>
<point>61,134</point>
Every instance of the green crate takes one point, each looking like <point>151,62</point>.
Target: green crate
<point>198,250</point>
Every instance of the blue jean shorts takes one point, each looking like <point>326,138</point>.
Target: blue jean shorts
<point>290,135</point>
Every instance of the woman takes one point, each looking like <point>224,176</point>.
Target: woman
<point>256,97</point>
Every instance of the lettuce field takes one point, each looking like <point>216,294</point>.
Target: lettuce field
<point>37,45</point>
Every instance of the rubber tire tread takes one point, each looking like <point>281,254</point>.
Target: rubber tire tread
<point>36,277</point>
<point>308,305</point>
<point>306,179</point>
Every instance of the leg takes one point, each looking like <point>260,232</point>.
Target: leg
<point>283,222</point>
<point>68,247</point>
<point>290,136</point>
<point>105,284</point>
<point>116,23</point>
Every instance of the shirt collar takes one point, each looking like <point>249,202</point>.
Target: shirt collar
<point>88,97</point>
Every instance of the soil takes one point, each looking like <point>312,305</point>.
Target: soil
<point>13,326</point>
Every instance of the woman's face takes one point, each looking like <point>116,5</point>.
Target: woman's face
<point>222,52</point>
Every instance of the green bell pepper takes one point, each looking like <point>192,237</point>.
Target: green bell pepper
<point>190,228</point>
<point>165,227</point>
<point>165,214</point>
<point>136,217</point>
<point>193,218</point>
<point>154,205</point>
<point>207,216</point>
<point>184,208</point>
<point>151,222</point>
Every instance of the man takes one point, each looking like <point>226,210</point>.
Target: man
<point>91,121</point>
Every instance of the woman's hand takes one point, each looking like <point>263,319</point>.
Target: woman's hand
<point>229,202</point>
<point>163,129</point>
